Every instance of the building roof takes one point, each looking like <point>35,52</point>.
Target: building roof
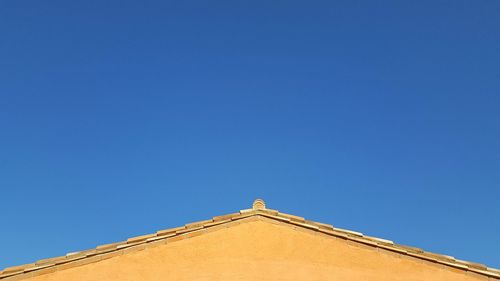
<point>197,228</point>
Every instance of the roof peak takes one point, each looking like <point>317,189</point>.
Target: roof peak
<point>259,204</point>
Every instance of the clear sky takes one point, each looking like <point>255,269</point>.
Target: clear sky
<point>120,118</point>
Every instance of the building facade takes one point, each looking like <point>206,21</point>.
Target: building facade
<point>253,244</point>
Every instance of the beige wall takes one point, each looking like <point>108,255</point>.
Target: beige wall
<point>260,249</point>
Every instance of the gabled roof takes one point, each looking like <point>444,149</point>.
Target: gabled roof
<point>197,228</point>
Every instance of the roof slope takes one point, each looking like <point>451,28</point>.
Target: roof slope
<point>194,229</point>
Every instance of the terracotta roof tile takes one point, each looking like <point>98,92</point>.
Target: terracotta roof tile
<point>169,231</point>
<point>225,217</point>
<point>321,225</point>
<point>140,238</point>
<point>199,223</point>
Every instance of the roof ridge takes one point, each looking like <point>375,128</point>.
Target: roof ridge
<point>177,233</point>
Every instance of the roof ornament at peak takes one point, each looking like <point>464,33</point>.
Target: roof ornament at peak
<point>259,204</point>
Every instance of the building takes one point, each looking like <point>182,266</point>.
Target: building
<point>253,244</point>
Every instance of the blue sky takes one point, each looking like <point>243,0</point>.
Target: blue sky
<point>120,118</point>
